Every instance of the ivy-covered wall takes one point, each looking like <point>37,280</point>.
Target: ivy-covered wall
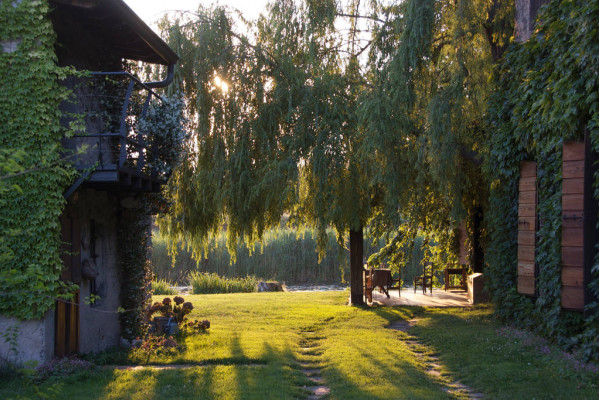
<point>548,92</point>
<point>134,262</point>
<point>30,134</point>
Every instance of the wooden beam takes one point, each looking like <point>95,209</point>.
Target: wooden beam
<point>526,285</point>
<point>526,253</point>
<point>573,169</point>
<point>528,184</point>
<point>573,297</point>
<point>572,237</point>
<point>573,276</point>
<point>526,238</point>
<point>572,256</point>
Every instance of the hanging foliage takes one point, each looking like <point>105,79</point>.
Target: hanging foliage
<point>274,126</point>
<point>425,116</point>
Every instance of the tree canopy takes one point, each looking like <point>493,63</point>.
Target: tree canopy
<point>339,114</point>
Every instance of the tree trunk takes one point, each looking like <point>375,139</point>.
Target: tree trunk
<point>356,268</point>
<point>478,254</point>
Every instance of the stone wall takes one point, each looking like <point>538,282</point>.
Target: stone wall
<point>99,325</point>
<point>34,340</point>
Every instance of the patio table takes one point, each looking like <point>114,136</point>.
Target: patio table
<point>461,271</point>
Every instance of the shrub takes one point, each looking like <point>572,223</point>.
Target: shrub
<point>210,283</point>
<point>163,287</point>
<point>166,309</point>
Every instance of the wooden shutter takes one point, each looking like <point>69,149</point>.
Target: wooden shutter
<point>527,226</point>
<point>573,225</point>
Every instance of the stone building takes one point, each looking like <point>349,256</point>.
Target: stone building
<point>116,165</point>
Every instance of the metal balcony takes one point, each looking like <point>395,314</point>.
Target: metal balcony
<point>113,153</point>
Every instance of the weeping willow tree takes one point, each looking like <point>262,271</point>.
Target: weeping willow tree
<point>274,128</point>
<point>425,118</point>
<point>340,116</point>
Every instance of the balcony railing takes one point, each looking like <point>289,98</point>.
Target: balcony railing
<point>113,152</point>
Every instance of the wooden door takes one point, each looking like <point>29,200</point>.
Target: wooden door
<point>573,184</point>
<point>67,311</point>
<point>527,227</point>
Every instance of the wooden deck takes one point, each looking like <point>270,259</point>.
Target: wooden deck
<point>439,298</point>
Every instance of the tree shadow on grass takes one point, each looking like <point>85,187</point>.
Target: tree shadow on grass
<point>270,376</point>
<point>476,350</point>
<point>381,368</point>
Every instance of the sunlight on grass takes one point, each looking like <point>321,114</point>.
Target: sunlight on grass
<point>258,341</point>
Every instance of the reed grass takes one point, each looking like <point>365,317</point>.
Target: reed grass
<point>286,255</point>
<point>163,287</point>
<point>211,283</point>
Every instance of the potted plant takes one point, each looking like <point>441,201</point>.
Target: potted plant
<point>170,316</point>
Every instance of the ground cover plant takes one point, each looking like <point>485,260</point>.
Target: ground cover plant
<point>257,341</point>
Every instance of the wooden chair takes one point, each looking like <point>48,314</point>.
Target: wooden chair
<point>396,284</point>
<point>426,279</point>
<point>368,284</point>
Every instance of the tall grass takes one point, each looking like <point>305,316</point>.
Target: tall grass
<point>210,283</point>
<point>163,287</point>
<point>287,255</point>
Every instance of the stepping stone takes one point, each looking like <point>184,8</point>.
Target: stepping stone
<point>309,365</point>
<point>316,379</point>
<point>312,352</point>
<point>318,391</point>
<point>458,387</point>
<point>311,372</point>
<point>403,326</point>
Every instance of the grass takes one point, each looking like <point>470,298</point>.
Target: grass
<point>257,340</point>
<point>505,363</point>
<point>211,283</point>
<point>163,287</point>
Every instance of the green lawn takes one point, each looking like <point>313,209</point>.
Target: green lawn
<point>258,340</point>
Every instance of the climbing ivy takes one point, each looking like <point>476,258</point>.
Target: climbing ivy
<point>547,93</point>
<point>34,176</point>
<point>133,237</point>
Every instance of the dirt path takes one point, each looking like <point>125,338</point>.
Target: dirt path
<point>434,367</point>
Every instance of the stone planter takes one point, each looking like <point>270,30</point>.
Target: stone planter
<point>165,325</point>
